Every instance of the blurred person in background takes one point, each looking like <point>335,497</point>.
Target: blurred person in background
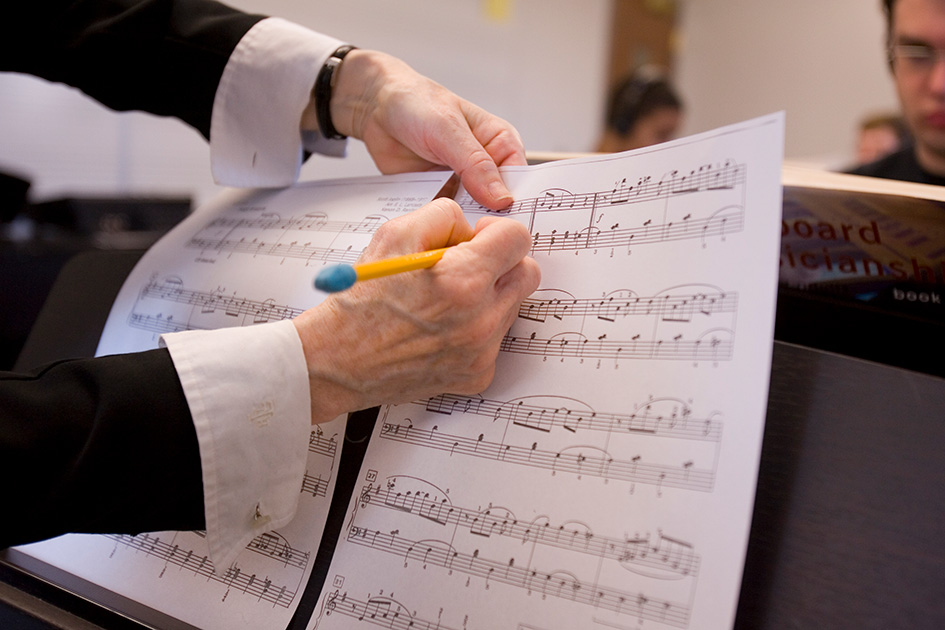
<point>643,109</point>
<point>878,135</point>
<point>915,45</point>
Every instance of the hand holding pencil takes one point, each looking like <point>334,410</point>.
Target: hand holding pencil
<point>419,334</point>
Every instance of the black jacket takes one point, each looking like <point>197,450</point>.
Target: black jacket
<point>160,56</point>
<point>108,444</point>
<point>97,445</point>
<point>901,165</point>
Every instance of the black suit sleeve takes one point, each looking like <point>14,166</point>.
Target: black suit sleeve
<point>101,445</point>
<point>161,56</point>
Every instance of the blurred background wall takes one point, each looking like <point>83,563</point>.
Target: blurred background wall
<point>545,65</point>
<point>822,62</point>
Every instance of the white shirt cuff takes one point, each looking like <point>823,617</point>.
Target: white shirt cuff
<point>255,137</point>
<point>248,393</point>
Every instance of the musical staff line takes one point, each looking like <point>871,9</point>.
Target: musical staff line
<point>306,223</point>
<point>684,476</point>
<point>316,486</point>
<point>542,418</point>
<point>668,555</point>
<point>378,611</point>
<point>263,311</point>
<point>727,221</point>
<point>319,444</point>
<point>670,307</point>
<point>554,584</point>
<point>203,303</point>
<point>249,584</point>
<point>578,346</point>
<point>274,545</point>
<point>159,324</point>
<point>726,176</point>
<point>305,251</point>
<point>256,245</point>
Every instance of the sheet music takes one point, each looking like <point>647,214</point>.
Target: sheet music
<point>247,257</point>
<point>606,478</point>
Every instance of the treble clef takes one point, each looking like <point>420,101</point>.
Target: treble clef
<point>330,603</point>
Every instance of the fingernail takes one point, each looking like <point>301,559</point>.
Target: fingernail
<point>500,193</point>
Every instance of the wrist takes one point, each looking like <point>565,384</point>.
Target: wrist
<point>359,87</point>
<point>322,95</point>
<point>324,361</point>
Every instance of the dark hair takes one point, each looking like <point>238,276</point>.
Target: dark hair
<point>636,96</point>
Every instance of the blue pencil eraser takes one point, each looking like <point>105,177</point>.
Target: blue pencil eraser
<point>337,278</point>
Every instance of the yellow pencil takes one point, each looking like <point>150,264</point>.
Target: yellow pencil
<point>341,277</point>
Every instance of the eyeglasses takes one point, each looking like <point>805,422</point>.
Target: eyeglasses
<point>916,58</point>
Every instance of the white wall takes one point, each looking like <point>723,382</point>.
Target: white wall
<point>540,66</point>
<point>820,60</point>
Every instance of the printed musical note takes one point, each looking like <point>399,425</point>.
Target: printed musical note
<point>378,611</point>
<point>273,545</point>
<point>572,415</point>
<point>314,485</point>
<point>666,556</point>
<point>276,249</point>
<point>722,223</point>
<point>547,583</point>
<point>668,306</point>
<point>200,565</point>
<point>318,443</point>
<point>714,348</point>
<point>726,176</point>
<point>572,460</point>
<point>200,310</point>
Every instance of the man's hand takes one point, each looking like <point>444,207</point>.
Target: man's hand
<point>422,333</point>
<point>410,123</point>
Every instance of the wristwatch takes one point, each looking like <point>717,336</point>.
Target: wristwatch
<point>324,83</point>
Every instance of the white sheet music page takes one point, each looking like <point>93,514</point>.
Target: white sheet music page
<point>606,478</point>
<point>246,257</point>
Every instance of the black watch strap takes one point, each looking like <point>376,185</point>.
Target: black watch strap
<point>324,83</point>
